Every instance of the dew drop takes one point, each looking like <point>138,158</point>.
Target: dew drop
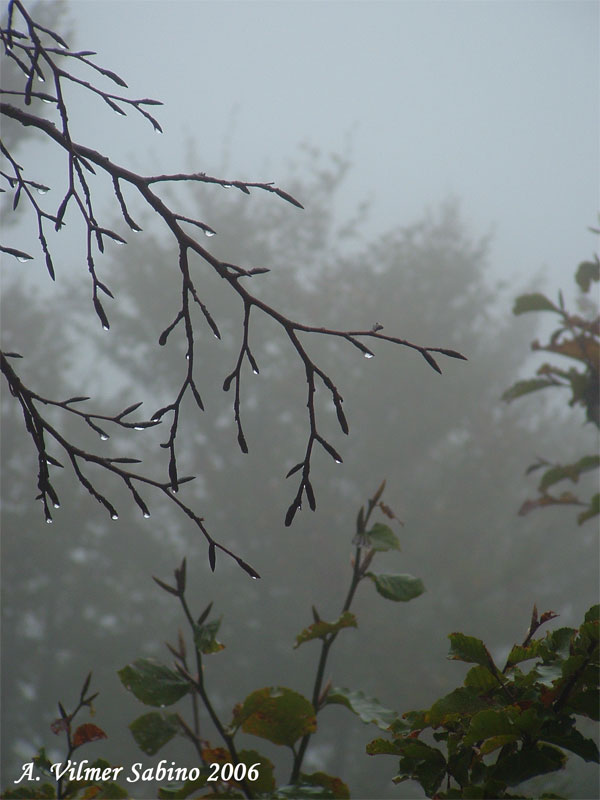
<point>56,505</point>
<point>114,516</point>
<point>368,355</point>
<point>254,577</point>
<point>337,460</point>
<point>42,190</point>
<point>45,100</point>
<point>105,327</point>
<point>104,436</point>
<point>209,233</point>
<point>138,428</point>
<point>226,185</point>
<point>41,79</point>
<point>23,259</point>
<point>255,371</point>
<point>146,515</point>
<point>49,520</point>
<point>187,356</point>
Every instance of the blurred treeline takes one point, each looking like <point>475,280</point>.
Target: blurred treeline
<point>78,595</point>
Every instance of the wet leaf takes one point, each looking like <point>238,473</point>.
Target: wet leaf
<point>533,302</point>
<point>153,683</point>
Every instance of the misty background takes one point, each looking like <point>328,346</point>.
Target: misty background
<point>447,158</point>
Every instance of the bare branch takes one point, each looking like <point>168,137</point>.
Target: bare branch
<point>85,167</point>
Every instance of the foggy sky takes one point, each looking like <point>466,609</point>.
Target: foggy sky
<point>493,102</point>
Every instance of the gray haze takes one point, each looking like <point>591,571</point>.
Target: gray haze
<point>462,119</point>
<point>494,102</point>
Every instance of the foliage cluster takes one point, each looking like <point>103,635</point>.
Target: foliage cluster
<point>577,338</point>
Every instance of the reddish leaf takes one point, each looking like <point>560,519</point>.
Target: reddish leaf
<point>87,732</point>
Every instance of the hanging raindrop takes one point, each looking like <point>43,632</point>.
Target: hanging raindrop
<point>368,355</point>
<point>146,515</point>
<point>114,516</point>
<point>23,259</point>
<point>209,233</point>
<point>49,520</point>
<point>104,436</point>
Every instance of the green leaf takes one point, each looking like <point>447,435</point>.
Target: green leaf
<point>585,702</point>
<point>533,302</point>
<point>277,714</point>
<point>321,629</point>
<point>519,653</point>
<point>521,388</point>
<point>571,472</point>
<point>462,701</point>
<point>382,538</point>
<point>489,723</point>
<point>481,679</point>
<point>335,786</point>
<point>369,709</point>
<point>178,791</point>
<point>153,683</point>
<point>400,588</point>
<point>46,790</point>
<point>422,763</point>
<point>470,649</point>
<point>528,763</point>
<point>593,614</point>
<point>587,272</point>
<point>153,730</point>
<point>205,637</point>
<point>571,739</point>
<point>384,747</point>
<point>266,771</point>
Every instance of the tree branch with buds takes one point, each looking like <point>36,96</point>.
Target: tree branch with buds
<point>42,54</point>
